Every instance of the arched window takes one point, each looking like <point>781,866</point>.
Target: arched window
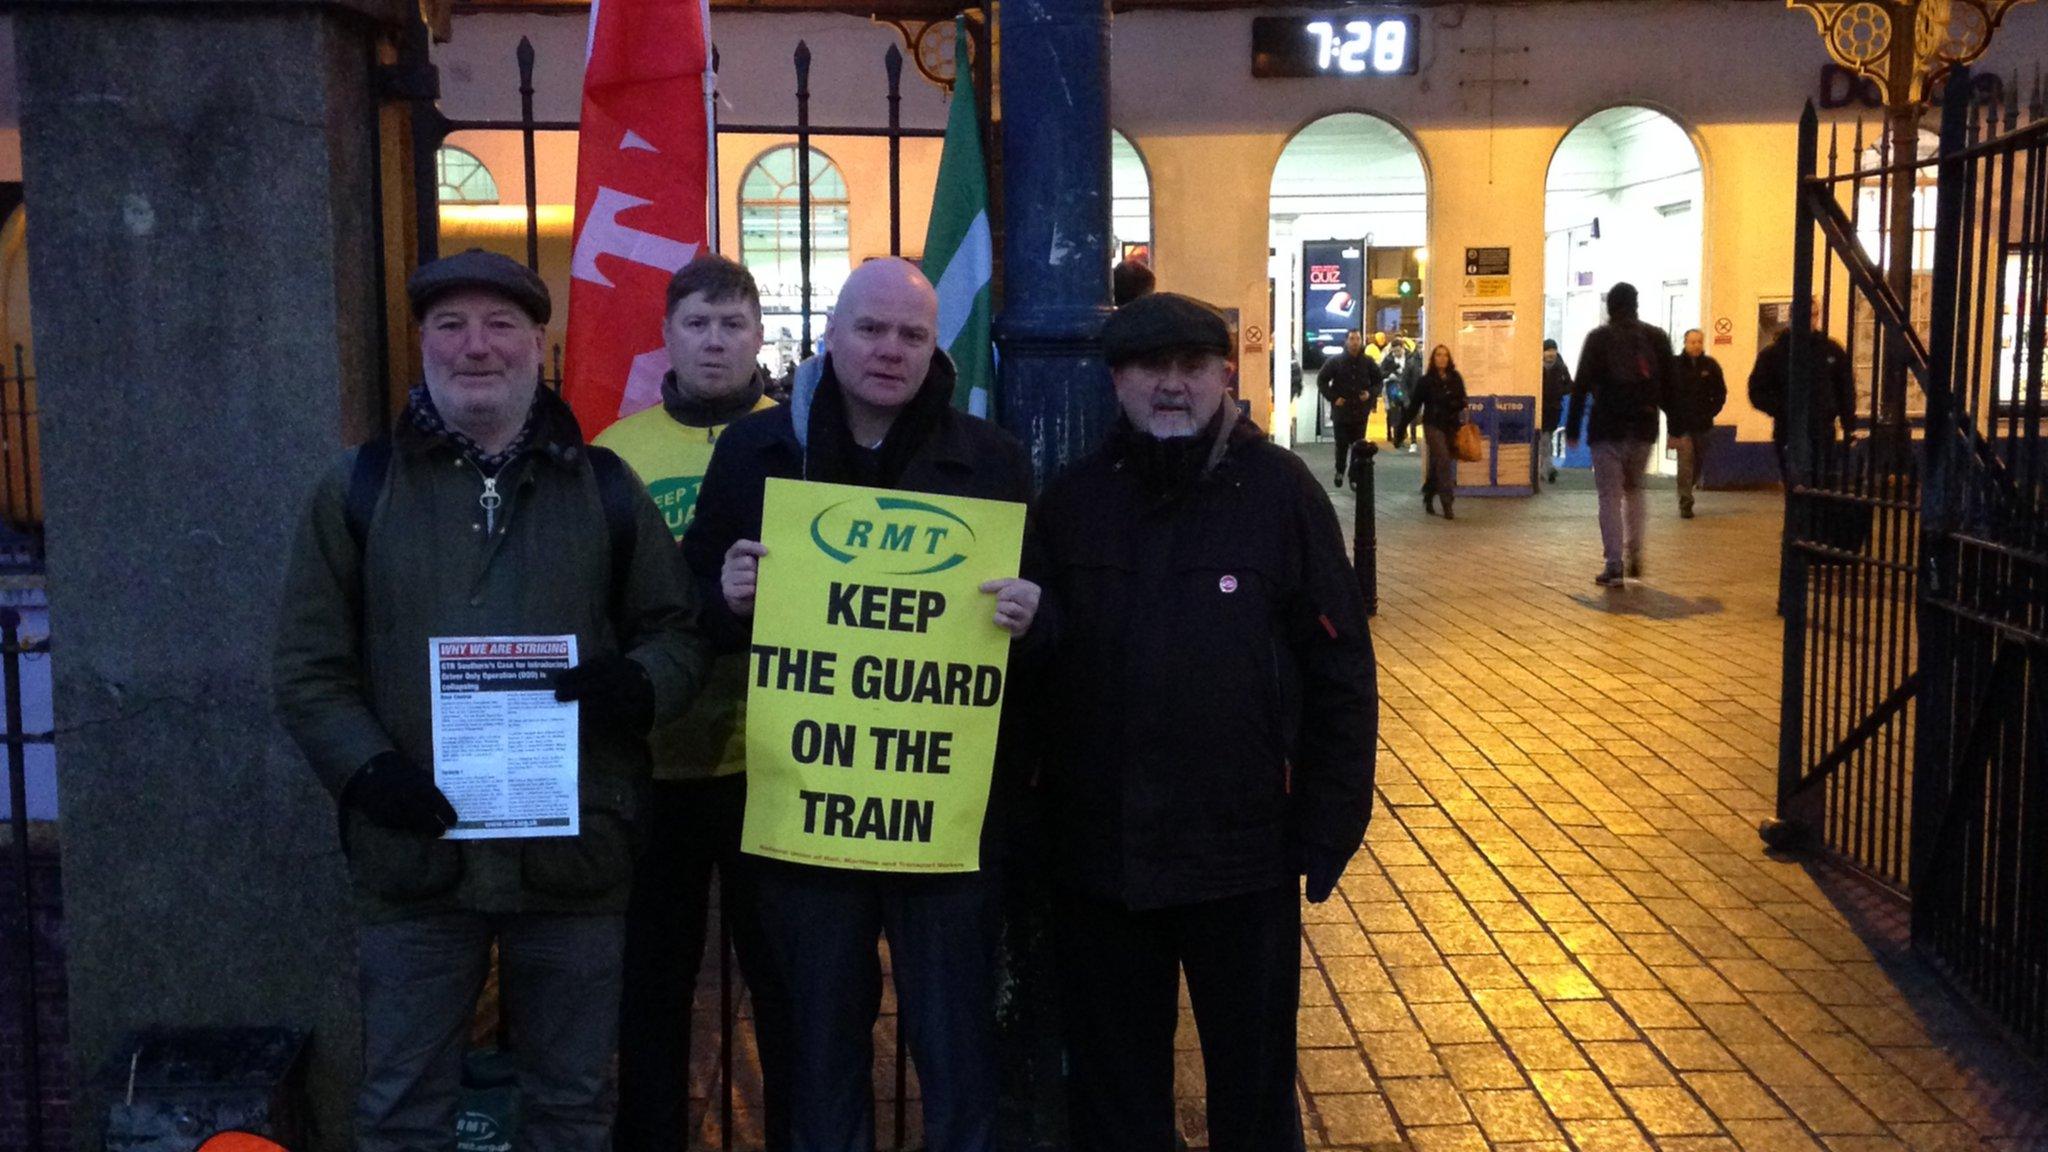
<point>463,178</point>
<point>771,217</point>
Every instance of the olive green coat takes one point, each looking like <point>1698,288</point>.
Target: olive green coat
<point>351,668</point>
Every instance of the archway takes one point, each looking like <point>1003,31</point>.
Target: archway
<point>771,234</point>
<point>1130,201</point>
<point>1623,201</point>
<point>1349,208</point>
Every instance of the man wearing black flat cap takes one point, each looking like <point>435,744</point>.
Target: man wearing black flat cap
<point>1206,653</point>
<point>482,514</point>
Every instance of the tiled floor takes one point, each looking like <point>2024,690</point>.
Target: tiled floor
<point>1564,932</point>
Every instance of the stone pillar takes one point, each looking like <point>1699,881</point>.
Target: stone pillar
<point>1054,392</point>
<point>207,342</point>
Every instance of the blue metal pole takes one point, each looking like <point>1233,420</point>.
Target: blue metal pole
<point>1053,390</point>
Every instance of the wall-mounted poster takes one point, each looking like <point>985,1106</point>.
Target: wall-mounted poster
<point>1332,297</point>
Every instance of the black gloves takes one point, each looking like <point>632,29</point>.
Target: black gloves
<point>400,795</point>
<point>1322,867</point>
<point>614,692</point>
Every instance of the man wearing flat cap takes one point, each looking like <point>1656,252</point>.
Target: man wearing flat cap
<point>1207,657</point>
<point>482,514</point>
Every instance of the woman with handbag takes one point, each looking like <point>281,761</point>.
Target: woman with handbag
<point>1440,408</point>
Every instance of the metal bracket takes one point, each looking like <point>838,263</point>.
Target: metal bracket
<point>929,48</point>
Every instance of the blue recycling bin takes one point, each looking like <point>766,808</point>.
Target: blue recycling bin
<point>1582,456</point>
<point>1507,428</point>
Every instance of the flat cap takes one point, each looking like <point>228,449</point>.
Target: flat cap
<point>1163,322</point>
<point>477,268</point>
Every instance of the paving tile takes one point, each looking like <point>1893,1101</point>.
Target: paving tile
<point>1772,1136</point>
<point>1452,1138</point>
<point>1476,1067</point>
<point>1335,1070</point>
<point>1733,1096</point>
<point>1393,1054</point>
<point>1426,1101</point>
<point>1353,1119</point>
<point>1544,1048</point>
<point>1516,1116</point>
<point>1608,1136</point>
<point>1593,1020</point>
<point>1669,1111</point>
<point>1629,1063</point>
<point>1576,1095</point>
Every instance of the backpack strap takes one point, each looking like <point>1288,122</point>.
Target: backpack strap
<point>617,492</point>
<point>365,482</point>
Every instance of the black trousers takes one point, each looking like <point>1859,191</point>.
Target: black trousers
<point>1347,435</point>
<point>1120,992</point>
<point>823,926</point>
<point>693,827</point>
<point>1400,420</point>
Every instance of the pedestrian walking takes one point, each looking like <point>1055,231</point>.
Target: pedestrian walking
<point>1350,381</point>
<point>484,514</point>
<point>712,333</point>
<point>1831,404</point>
<point>1697,394</point>
<point>1210,667</point>
<point>1557,384</point>
<point>1624,370</point>
<point>1394,386</point>
<point>1440,407</point>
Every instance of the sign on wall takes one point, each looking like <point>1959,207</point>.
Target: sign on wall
<point>1332,297</point>
<point>1353,42</point>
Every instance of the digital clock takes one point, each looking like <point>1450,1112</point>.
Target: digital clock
<point>1346,43</point>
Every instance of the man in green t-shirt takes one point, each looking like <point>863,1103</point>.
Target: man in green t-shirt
<point>713,334</point>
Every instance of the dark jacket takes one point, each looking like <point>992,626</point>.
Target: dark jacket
<point>1352,386</point>
<point>1440,400</point>
<point>1624,368</point>
<point>1209,677</point>
<point>350,665</point>
<point>1832,400</point>
<point>1696,395</point>
<point>1557,384</point>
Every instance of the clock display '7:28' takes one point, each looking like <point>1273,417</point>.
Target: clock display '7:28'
<point>1360,46</point>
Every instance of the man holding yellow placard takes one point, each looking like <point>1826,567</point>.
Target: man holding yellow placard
<point>861,545</point>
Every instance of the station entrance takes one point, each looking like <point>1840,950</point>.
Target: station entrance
<point>1350,213</point>
<point>1623,202</point>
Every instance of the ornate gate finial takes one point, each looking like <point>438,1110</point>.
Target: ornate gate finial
<point>1946,33</point>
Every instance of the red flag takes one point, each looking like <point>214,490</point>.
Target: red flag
<point>641,175</point>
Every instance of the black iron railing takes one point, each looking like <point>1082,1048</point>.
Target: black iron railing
<point>1914,746</point>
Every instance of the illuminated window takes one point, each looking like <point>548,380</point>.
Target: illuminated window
<point>771,218</point>
<point>463,178</point>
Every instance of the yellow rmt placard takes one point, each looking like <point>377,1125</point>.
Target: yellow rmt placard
<point>875,682</point>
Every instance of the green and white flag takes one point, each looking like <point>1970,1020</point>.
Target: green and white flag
<point>959,257</point>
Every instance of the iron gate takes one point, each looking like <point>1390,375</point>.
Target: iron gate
<point>1915,582</point>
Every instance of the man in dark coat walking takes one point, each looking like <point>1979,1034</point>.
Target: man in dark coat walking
<point>1206,653</point>
<point>1624,368</point>
<point>1831,402</point>
<point>1557,384</point>
<point>1350,381</point>
<point>1697,395</point>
